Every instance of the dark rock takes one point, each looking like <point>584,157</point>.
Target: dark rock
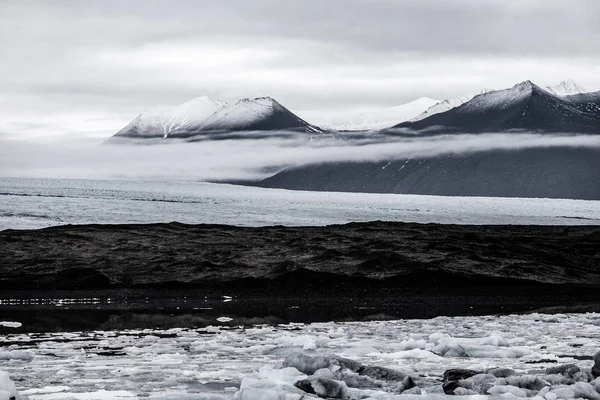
<point>565,369</point>
<point>408,383</point>
<point>305,385</point>
<point>501,372</point>
<point>450,386</point>
<point>596,367</point>
<point>456,374</point>
<point>382,373</point>
<point>529,382</point>
<point>352,365</point>
<point>325,387</point>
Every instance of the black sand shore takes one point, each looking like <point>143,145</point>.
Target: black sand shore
<point>161,274</point>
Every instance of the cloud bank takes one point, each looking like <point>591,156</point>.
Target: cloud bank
<point>243,159</point>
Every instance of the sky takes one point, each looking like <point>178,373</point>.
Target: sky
<point>86,68</point>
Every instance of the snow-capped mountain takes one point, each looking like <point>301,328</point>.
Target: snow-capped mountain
<point>525,106</point>
<point>204,115</point>
<point>446,105</point>
<point>368,119</point>
<point>565,88</point>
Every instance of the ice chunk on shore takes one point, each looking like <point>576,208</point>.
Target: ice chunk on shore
<point>8,391</point>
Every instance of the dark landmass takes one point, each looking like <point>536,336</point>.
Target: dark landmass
<point>547,172</point>
<point>294,259</point>
<point>165,275</point>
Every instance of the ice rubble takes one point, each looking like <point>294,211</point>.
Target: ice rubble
<point>306,376</point>
<point>548,356</point>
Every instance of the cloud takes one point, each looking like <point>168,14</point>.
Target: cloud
<point>242,159</point>
<point>114,59</point>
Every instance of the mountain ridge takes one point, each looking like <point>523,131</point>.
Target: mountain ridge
<point>525,106</point>
<point>203,115</point>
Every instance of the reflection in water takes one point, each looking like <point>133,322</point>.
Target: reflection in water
<point>109,312</point>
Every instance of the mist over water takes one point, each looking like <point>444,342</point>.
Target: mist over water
<point>249,156</point>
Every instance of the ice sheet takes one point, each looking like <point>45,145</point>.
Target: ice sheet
<point>36,203</point>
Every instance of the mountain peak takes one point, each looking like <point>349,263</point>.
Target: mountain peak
<point>525,85</point>
<point>565,88</point>
<point>203,114</point>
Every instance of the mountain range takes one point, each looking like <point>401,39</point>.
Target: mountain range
<point>566,103</point>
<point>558,172</point>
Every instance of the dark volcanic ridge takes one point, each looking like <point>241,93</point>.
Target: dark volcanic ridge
<point>294,261</point>
<point>542,172</point>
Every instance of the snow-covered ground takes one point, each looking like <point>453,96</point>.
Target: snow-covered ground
<point>212,363</point>
<point>36,203</point>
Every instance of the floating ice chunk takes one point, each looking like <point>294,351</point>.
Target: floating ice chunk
<point>224,319</point>
<point>411,344</point>
<point>170,359</point>
<point>561,393</point>
<point>585,390</point>
<point>45,390</point>
<point>503,389</point>
<point>10,324</point>
<point>252,389</point>
<point>307,342</point>
<point>461,391</point>
<point>16,355</point>
<point>596,384</point>
<point>495,340</point>
<point>8,390</point>
<point>288,375</point>
<point>97,395</point>
<point>414,354</point>
<point>305,363</point>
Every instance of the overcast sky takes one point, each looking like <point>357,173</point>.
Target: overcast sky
<point>88,67</point>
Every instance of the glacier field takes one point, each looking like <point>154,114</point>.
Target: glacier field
<point>35,203</point>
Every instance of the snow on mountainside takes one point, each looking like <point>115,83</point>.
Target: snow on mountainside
<point>203,114</point>
<point>525,106</point>
<point>368,119</point>
<point>565,88</point>
<point>446,105</point>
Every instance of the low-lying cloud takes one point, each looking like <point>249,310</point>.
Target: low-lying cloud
<point>244,159</point>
